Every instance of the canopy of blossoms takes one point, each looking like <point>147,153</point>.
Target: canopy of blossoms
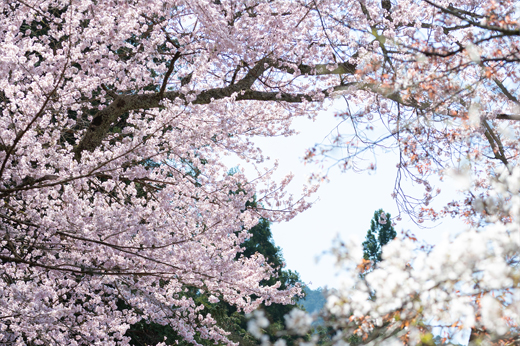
<point>116,114</point>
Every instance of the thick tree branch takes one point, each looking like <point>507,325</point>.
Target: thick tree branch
<point>86,271</point>
<point>460,14</point>
<point>124,103</point>
<point>316,70</point>
<point>168,73</point>
<point>515,117</point>
<point>496,144</point>
<point>505,91</point>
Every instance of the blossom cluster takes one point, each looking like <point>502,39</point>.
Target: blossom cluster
<point>115,202</point>
<point>468,282</point>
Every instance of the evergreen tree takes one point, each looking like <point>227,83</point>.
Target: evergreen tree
<point>379,234</point>
<point>227,316</point>
<point>261,241</point>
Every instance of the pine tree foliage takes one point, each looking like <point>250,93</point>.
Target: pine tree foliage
<point>380,233</point>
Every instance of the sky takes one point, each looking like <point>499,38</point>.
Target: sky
<point>344,206</point>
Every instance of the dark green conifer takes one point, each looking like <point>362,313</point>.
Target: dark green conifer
<point>380,233</point>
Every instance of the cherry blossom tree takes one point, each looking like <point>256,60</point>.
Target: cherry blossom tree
<point>114,199</point>
<point>464,290</point>
<point>434,81</point>
<point>441,80</point>
<point>116,115</point>
<point>465,287</point>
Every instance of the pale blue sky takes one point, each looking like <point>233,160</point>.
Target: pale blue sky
<point>346,204</point>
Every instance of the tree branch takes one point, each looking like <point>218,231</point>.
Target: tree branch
<point>101,123</point>
<point>169,72</point>
<point>496,144</point>
<point>505,91</point>
<point>459,14</point>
